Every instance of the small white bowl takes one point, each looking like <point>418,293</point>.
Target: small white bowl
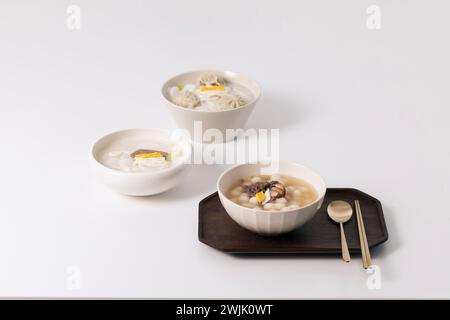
<point>140,183</point>
<point>220,120</point>
<point>264,222</point>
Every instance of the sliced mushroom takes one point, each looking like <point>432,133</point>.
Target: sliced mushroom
<point>277,190</point>
<point>256,187</point>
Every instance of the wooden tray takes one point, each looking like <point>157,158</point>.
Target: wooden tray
<point>320,235</point>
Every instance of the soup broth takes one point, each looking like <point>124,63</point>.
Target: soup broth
<point>141,155</point>
<point>210,93</point>
<point>272,193</point>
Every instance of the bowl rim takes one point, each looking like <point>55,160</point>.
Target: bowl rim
<point>142,173</point>
<point>252,102</point>
<point>315,202</point>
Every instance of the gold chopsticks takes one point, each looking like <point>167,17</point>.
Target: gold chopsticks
<point>367,261</point>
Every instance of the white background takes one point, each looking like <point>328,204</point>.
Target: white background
<point>366,108</point>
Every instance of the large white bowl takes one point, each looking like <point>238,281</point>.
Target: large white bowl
<point>140,183</point>
<point>220,120</point>
<point>270,222</point>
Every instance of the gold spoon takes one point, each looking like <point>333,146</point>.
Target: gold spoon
<point>340,212</point>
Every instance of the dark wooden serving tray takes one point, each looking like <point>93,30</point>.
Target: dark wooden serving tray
<point>320,235</point>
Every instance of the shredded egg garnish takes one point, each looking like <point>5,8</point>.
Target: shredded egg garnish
<point>149,155</point>
<point>218,88</point>
<point>260,196</point>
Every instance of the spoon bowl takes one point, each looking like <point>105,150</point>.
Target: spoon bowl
<point>340,212</point>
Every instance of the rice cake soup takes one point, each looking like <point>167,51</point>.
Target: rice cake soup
<point>210,93</point>
<point>272,193</point>
<point>141,156</point>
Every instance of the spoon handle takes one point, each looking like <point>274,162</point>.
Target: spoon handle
<point>345,253</point>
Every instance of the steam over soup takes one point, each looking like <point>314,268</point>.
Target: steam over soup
<point>272,193</point>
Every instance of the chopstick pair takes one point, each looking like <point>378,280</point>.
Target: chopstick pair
<point>367,261</point>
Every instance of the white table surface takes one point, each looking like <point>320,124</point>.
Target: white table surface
<point>366,108</point>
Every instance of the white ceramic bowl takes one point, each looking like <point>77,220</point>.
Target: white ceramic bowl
<point>270,222</point>
<point>140,183</point>
<point>220,120</point>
